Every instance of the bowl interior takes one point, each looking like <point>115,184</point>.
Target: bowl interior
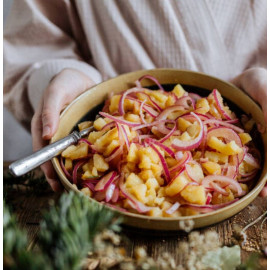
<point>90,103</point>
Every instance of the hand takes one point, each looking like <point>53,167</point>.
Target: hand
<point>64,88</point>
<point>254,82</point>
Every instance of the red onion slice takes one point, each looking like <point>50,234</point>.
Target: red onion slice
<point>122,99</point>
<point>110,192</point>
<point>138,82</point>
<point>163,115</point>
<point>250,160</point>
<point>115,196</point>
<point>189,145</point>
<point>67,174</point>
<point>105,181</point>
<point>164,147</point>
<point>173,208</point>
<point>223,180</point>
<point>186,158</point>
<point>223,123</point>
<point>119,120</point>
<point>220,106</point>
<point>75,170</point>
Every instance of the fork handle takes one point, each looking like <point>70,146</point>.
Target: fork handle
<point>25,165</point>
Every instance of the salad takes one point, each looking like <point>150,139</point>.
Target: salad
<point>164,154</point>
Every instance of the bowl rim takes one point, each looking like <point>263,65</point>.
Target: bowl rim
<point>254,192</point>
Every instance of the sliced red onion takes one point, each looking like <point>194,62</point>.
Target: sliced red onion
<point>207,208</point>
<point>108,126</point>
<point>173,208</point>
<point>224,180</point>
<point>163,115</point>
<point>100,195</point>
<point>169,134</point>
<point>105,181</point>
<point>116,152</point>
<point>140,207</point>
<point>220,106</point>
<point>189,145</point>
<point>115,196</point>
<point>110,192</point>
<point>249,177</point>
<point>164,147</point>
<point>194,96</point>
<point>147,108</point>
<point>141,113</point>
<point>75,170</point>
<point>163,163</point>
<point>250,160</point>
<point>232,172</point>
<point>122,99</point>
<point>179,155</point>
<point>67,174</point>
<point>186,158</point>
<point>125,136</point>
<point>192,173</point>
<point>208,198</point>
<point>138,83</point>
<point>89,185</point>
<point>183,101</point>
<point>119,120</point>
<point>219,189</point>
<point>223,123</point>
<point>233,121</point>
<point>227,133</point>
<point>190,117</point>
<point>151,100</point>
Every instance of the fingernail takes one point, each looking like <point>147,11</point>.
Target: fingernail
<point>46,131</point>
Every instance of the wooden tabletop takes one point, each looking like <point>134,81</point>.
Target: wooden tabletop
<point>29,206</point>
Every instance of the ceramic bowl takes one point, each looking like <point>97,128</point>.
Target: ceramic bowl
<point>96,95</point>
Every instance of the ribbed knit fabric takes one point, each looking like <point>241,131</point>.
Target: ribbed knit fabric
<point>104,38</point>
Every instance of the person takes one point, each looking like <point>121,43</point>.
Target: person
<point>55,50</point>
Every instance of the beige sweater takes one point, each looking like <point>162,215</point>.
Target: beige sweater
<point>104,38</point>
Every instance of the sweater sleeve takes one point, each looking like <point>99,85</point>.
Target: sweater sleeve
<point>40,39</point>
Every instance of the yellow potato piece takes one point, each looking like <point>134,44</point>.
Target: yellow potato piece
<point>177,185</point>
<point>140,192</point>
<point>230,148</point>
<point>99,123</point>
<point>216,157</point>
<point>245,138</point>
<point>178,90</point>
<point>183,124</point>
<point>155,212</point>
<point>99,163</point>
<point>152,183</point>
<point>133,180</point>
<point>133,153</point>
<point>84,125</point>
<point>114,103</point>
<point>194,194</point>
<point>76,152</point>
<point>212,167</point>
<point>202,106</point>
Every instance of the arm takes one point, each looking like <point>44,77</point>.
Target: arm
<point>44,67</point>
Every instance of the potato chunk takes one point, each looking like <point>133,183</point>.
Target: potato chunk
<point>99,163</point>
<point>76,152</point>
<point>194,194</point>
<point>176,185</point>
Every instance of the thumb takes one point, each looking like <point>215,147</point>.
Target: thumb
<point>50,114</point>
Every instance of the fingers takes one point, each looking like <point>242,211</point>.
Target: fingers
<point>66,86</point>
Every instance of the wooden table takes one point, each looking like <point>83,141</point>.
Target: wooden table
<point>29,207</point>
